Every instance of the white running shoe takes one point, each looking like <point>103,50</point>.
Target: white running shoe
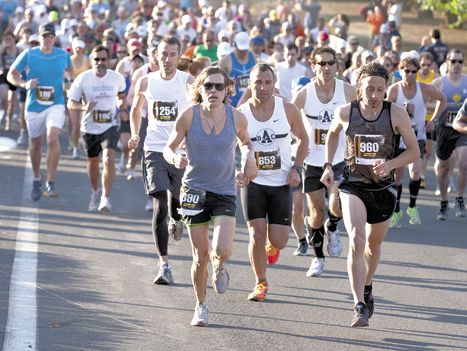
<point>334,241</point>
<point>104,205</point>
<point>122,166</point>
<point>316,267</point>
<point>75,155</point>
<point>200,317</point>
<point>220,279</point>
<point>94,201</point>
<point>148,207</point>
<point>131,174</point>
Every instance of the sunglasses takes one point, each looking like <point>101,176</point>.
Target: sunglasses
<point>413,71</point>
<point>457,61</point>
<point>100,59</point>
<point>218,86</point>
<point>324,63</point>
<point>48,35</point>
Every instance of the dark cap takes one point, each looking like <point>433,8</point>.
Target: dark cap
<point>47,28</point>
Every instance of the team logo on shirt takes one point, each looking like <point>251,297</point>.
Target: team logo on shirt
<point>325,116</point>
<point>265,137</point>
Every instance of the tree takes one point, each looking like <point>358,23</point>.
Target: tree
<point>457,8</point>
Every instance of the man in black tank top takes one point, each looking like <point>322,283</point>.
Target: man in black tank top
<point>373,127</point>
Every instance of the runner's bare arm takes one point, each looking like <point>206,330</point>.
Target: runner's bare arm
<point>300,99</point>
<point>182,125</point>
<point>249,169</point>
<point>135,113</point>
<point>460,123</point>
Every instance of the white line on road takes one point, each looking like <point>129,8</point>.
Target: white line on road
<point>22,311</point>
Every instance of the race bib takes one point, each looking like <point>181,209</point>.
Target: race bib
<point>368,148</point>
<point>165,111</point>
<point>320,136</point>
<point>268,160</point>
<point>242,82</point>
<point>100,116</point>
<point>45,95</point>
<point>191,201</point>
<point>450,119</point>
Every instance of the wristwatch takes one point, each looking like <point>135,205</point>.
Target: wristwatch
<point>326,164</point>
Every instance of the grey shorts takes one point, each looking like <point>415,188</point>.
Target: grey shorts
<point>159,175</point>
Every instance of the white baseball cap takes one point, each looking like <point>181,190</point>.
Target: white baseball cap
<point>242,41</point>
<point>186,19</point>
<point>223,49</point>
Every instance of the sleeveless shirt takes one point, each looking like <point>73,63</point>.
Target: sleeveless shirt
<point>455,98</point>
<point>240,73</point>
<point>418,119</point>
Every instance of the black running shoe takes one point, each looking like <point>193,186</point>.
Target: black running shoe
<point>360,318</point>
<point>443,211</point>
<point>370,303</point>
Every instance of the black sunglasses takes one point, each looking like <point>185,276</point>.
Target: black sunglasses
<point>457,61</point>
<point>218,86</point>
<point>98,59</point>
<point>407,71</point>
<point>324,63</point>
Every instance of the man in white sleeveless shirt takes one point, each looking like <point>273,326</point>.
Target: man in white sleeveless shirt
<point>318,101</point>
<point>267,200</point>
<point>165,92</point>
<point>413,96</point>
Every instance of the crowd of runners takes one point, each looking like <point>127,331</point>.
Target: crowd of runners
<point>286,108</point>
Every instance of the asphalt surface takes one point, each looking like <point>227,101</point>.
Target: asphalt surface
<point>83,281</point>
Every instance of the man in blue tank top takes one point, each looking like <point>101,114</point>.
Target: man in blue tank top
<point>448,140</point>
<point>45,103</point>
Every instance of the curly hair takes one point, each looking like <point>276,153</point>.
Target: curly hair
<point>196,97</point>
<point>372,69</point>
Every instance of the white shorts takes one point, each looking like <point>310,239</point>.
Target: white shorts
<point>39,122</point>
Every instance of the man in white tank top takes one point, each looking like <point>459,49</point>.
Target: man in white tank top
<point>271,121</point>
<point>318,101</point>
<point>413,96</point>
<point>165,92</point>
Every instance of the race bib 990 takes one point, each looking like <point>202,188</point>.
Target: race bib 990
<point>165,111</point>
<point>101,116</point>
<point>45,95</point>
<point>268,160</point>
<point>368,148</point>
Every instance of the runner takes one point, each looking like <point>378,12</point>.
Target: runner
<point>99,88</point>
<point>448,140</point>
<point>372,127</point>
<point>318,101</point>
<point>267,201</point>
<point>165,93</point>
<point>210,128</point>
<point>413,96</point>
<point>46,66</point>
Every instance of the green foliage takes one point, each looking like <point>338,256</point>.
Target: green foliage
<point>457,8</point>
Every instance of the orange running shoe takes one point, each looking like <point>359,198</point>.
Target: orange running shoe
<point>259,294</point>
<point>273,253</point>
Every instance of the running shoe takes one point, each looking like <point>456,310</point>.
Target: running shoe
<point>75,154</point>
<point>23,139</point>
<point>395,220</point>
<point>175,229</point>
<point>164,277</point>
<point>131,175</point>
<point>334,241</point>
<point>200,317</point>
<point>220,279</point>
<point>259,294</point>
<point>94,201</point>
<point>452,185</point>
<point>460,207</point>
<point>443,212</point>
<point>36,192</point>
<point>316,267</point>
<point>148,206</point>
<point>360,318</point>
<point>49,190</point>
<point>122,166</point>
<point>437,191</point>
<point>105,205</point>
<point>422,183</point>
<point>370,303</point>
<point>302,248</point>
<point>273,253</point>
<point>414,217</point>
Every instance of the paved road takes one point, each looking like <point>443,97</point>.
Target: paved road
<point>83,281</point>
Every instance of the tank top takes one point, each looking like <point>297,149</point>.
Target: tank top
<point>271,142</point>
<point>368,141</point>
<point>418,119</point>
<point>211,158</point>
<point>8,59</point>
<point>166,100</point>
<point>427,80</point>
<point>317,119</point>
<point>240,73</point>
<point>455,98</point>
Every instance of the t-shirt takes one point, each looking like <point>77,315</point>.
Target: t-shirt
<point>48,69</point>
<point>202,50</point>
<point>285,76</point>
<point>104,91</point>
